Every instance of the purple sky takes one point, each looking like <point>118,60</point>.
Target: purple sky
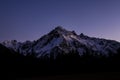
<point>30,19</point>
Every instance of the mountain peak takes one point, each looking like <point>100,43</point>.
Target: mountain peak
<point>63,31</point>
<point>83,36</point>
<point>60,28</point>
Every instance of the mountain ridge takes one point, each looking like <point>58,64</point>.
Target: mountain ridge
<point>60,40</point>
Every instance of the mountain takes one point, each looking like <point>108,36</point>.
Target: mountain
<point>59,52</point>
<point>61,41</point>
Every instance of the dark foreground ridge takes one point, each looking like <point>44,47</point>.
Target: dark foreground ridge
<point>16,65</point>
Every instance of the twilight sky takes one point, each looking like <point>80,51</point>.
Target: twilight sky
<point>30,19</point>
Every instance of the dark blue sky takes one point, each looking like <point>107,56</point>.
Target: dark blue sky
<point>30,19</point>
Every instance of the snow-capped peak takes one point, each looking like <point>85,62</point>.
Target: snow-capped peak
<point>60,40</point>
<point>10,44</point>
<point>59,28</point>
<point>61,31</point>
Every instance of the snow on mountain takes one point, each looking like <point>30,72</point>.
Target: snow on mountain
<point>18,46</point>
<point>102,46</point>
<point>60,40</point>
<point>13,44</point>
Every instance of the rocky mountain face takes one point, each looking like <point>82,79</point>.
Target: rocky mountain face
<point>62,41</point>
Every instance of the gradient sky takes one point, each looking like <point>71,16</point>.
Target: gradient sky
<point>30,19</point>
